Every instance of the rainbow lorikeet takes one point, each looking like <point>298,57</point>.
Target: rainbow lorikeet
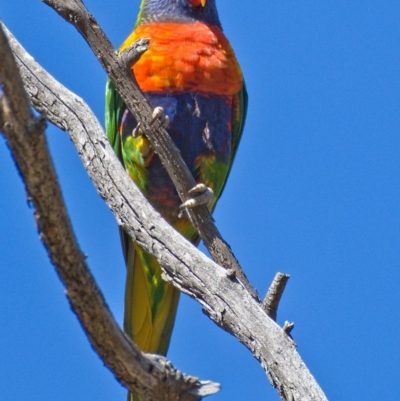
<point>191,72</point>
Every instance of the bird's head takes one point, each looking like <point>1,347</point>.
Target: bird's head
<point>184,11</point>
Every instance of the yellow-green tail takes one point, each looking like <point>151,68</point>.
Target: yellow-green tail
<point>150,304</point>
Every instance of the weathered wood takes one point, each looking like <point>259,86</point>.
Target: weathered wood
<point>274,294</point>
<point>115,65</point>
<point>151,376</point>
<point>226,301</point>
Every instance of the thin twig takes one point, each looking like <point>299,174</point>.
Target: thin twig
<point>288,327</point>
<point>274,294</point>
<point>151,376</point>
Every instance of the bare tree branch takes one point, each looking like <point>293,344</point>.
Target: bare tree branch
<point>274,294</point>
<point>149,375</point>
<point>115,65</point>
<point>226,301</point>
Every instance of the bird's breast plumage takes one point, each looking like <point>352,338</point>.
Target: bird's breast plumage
<point>186,58</point>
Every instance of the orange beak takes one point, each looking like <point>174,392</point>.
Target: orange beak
<point>197,3</point>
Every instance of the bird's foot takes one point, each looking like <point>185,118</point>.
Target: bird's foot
<point>137,131</point>
<point>204,196</point>
<point>160,116</point>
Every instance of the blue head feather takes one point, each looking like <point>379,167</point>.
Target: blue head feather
<point>177,11</point>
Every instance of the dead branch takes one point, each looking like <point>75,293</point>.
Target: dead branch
<point>149,375</point>
<point>274,294</point>
<point>226,301</point>
<point>115,65</point>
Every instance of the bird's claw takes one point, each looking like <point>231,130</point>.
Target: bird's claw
<point>159,114</point>
<point>204,196</point>
<point>137,131</point>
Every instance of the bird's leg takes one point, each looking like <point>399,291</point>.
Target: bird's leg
<point>204,196</point>
<point>137,131</point>
<point>158,113</point>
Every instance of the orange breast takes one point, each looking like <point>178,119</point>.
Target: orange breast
<point>186,57</point>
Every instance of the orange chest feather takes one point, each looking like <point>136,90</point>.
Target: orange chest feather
<point>186,57</point>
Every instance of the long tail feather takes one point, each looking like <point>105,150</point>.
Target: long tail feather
<point>150,304</point>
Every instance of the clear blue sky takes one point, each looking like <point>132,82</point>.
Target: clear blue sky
<point>314,193</point>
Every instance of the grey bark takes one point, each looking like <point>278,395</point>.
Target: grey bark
<point>223,298</point>
<point>274,294</point>
<point>149,375</point>
<point>118,70</point>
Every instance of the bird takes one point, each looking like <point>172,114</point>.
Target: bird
<point>191,73</point>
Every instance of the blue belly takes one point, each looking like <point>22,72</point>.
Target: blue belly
<point>200,126</point>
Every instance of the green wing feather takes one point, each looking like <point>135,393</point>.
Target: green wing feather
<point>114,107</point>
<point>239,112</point>
<point>238,125</point>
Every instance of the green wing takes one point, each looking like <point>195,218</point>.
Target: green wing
<point>114,110</point>
<point>239,112</point>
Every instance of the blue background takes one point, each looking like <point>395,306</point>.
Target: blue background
<point>314,193</point>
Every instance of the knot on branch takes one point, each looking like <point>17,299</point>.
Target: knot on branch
<point>132,54</point>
